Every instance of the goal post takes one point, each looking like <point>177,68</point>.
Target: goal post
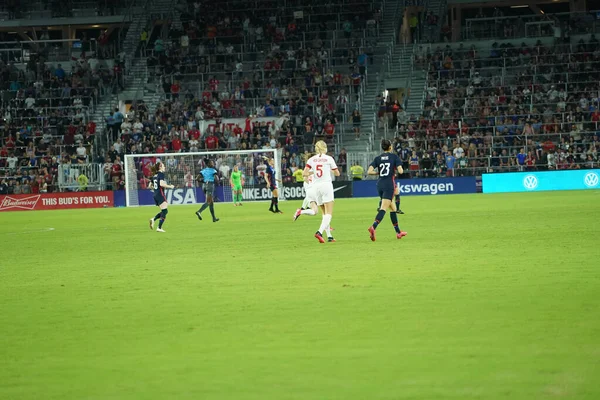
<point>183,171</point>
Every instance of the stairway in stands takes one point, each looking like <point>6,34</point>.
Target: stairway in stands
<point>136,73</point>
<point>392,11</point>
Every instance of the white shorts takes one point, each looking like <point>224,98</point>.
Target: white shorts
<point>323,192</point>
<point>310,197</point>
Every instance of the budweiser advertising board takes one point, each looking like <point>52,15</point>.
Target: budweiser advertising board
<point>56,201</point>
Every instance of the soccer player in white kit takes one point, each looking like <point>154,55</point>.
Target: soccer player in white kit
<point>309,205</point>
<point>321,166</point>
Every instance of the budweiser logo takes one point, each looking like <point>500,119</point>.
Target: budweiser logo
<point>24,203</point>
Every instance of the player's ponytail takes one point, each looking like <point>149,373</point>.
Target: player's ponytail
<point>154,169</point>
<point>321,147</point>
<point>386,145</point>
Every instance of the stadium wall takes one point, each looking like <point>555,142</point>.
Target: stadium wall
<point>491,183</point>
<point>420,187</point>
<point>56,201</point>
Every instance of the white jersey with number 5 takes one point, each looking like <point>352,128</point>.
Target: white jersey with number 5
<point>321,165</point>
<point>322,186</point>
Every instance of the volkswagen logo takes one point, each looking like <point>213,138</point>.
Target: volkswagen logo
<point>530,182</point>
<point>590,179</point>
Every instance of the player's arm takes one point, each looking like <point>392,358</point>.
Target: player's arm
<point>306,173</point>
<point>372,170</point>
<point>165,185</point>
<point>334,168</point>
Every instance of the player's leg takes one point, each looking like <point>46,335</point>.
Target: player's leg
<point>211,206</point>
<point>320,203</point>
<point>163,211</point>
<point>327,208</point>
<point>275,201</point>
<point>272,207</point>
<point>394,218</point>
<point>326,200</point>
<point>397,199</point>
<point>386,195</point>
<point>240,198</point>
<point>208,194</point>
<point>157,216</point>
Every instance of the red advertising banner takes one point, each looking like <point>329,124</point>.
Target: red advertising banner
<point>56,201</point>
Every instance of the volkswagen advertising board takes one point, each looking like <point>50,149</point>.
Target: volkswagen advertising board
<point>541,181</point>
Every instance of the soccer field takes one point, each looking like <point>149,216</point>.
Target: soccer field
<point>488,297</point>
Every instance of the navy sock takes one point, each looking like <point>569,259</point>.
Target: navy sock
<point>272,204</point>
<point>378,218</point>
<point>394,218</point>
<point>162,218</point>
<point>211,207</point>
<point>157,216</point>
<point>397,202</point>
<point>276,200</point>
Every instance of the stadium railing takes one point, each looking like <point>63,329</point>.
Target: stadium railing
<point>530,25</point>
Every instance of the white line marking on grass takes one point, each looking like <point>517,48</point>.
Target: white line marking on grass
<point>32,231</point>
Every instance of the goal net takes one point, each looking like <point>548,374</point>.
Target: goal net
<point>183,171</point>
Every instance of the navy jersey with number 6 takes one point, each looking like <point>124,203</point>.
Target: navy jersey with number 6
<point>159,195</point>
<point>387,165</point>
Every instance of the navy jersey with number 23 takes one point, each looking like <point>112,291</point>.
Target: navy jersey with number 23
<point>387,165</point>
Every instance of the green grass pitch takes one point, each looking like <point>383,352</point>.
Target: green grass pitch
<point>488,297</point>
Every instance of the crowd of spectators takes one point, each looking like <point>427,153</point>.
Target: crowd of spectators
<point>516,108</point>
<point>45,121</point>
<point>278,71</point>
<point>175,132</point>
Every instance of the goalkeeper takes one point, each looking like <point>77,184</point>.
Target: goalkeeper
<point>236,181</point>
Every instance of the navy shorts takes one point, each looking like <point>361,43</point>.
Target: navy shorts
<point>159,199</point>
<point>273,187</point>
<point>385,191</point>
<point>209,188</point>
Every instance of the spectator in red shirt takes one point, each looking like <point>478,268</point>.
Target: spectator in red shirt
<point>91,127</point>
<point>213,84</point>
<point>211,141</point>
<point>237,131</point>
<point>144,183</point>
<point>596,118</point>
<point>176,144</point>
<point>175,89</point>
<point>10,142</point>
<point>248,127</point>
<point>194,134</point>
<point>329,130</point>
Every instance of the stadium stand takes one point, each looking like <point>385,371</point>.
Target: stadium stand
<point>512,105</point>
<point>519,94</point>
<point>305,68</point>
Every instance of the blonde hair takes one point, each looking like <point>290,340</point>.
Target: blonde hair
<point>321,147</point>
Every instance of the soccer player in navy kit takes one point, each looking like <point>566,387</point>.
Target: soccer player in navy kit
<point>209,174</point>
<point>385,165</point>
<point>272,185</point>
<point>158,182</point>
